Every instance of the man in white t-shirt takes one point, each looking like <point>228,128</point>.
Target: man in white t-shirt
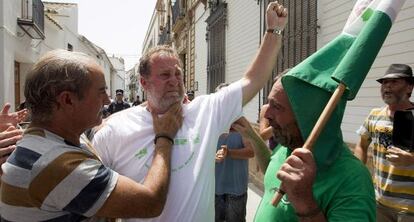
<point>126,145</point>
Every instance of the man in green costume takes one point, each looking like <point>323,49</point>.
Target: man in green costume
<point>328,185</point>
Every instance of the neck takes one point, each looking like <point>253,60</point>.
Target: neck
<point>154,109</point>
<point>399,106</point>
<point>65,132</point>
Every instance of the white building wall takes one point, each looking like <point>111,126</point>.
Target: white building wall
<point>397,48</point>
<point>201,14</point>
<point>242,42</point>
<point>151,38</point>
<point>118,77</point>
<point>15,45</point>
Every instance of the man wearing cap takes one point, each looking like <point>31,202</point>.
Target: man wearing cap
<point>119,103</point>
<point>393,167</point>
<point>190,95</point>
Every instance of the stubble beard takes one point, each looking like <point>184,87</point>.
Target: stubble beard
<point>164,103</point>
<point>289,136</point>
<point>393,98</point>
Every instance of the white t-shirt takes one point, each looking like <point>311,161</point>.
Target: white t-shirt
<point>126,145</point>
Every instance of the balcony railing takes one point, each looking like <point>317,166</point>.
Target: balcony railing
<point>32,18</point>
<point>177,12</point>
<point>164,38</point>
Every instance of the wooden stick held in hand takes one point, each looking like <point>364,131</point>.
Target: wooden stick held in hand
<point>316,131</point>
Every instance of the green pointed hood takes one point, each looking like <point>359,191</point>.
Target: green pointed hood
<point>346,59</point>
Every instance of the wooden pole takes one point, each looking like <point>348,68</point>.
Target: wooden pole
<point>317,129</point>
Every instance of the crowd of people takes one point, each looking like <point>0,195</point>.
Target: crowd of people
<point>179,158</point>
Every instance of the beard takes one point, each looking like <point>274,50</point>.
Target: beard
<point>162,102</point>
<point>288,136</point>
<point>392,98</point>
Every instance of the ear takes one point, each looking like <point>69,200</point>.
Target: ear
<point>144,83</point>
<point>66,100</point>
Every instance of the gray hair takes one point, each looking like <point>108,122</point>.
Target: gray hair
<point>55,72</point>
<point>145,61</point>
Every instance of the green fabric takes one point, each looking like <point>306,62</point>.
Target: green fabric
<point>357,62</point>
<point>309,85</point>
<point>307,102</point>
<point>344,191</point>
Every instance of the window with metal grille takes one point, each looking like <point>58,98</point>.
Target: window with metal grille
<point>299,37</point>
<point>216,38</point>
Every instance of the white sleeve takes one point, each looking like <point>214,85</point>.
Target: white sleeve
<point>101,142</point>
<point>227,105</point>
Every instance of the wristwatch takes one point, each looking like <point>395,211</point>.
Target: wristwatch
<point>277,31</point>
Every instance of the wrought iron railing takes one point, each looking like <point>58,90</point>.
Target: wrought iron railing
<point>177,12</point>
<point>164,37</point>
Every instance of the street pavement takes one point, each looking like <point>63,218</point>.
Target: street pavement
<point>254,195</point>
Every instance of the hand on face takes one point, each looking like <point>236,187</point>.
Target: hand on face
<point>11,119</point>
<point>243,126</point>
<point>170,122</point>
<point>297,175</point>
<point>221,154</point>
<point>399,157</point>
<point>276,16</point>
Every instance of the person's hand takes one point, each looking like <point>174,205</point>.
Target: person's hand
<point>170,122</point>
<point>297,175</point>
<point>243,127</point>
<point>221,154</point>
<point>276,16</point>
<point>8,140</point>
<point>11,119</point>
<point>399,157</point>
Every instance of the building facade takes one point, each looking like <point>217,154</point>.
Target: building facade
<point>397,48</point>
<point>30,28</point>
<point>118,76</point>
<point>217,40</point>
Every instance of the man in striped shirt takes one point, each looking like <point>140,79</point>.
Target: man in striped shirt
<point>393,167</point>
<point>52,176</point>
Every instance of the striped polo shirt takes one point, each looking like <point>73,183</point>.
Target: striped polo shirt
<point>394,185</point>
<point>48,179</point>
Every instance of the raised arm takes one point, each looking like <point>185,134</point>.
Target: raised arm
<point>261,151</point>
<point>261,68</point>
<point>131,199</point>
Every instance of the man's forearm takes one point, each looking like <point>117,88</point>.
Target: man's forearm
<point>262,66</point>
<point>310,212</point>
<point>158,176</point>
<point>261,150</point>
<point>361,153</point>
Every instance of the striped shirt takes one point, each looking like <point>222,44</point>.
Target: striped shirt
<point>394,185</point>
<point>48,179</point>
